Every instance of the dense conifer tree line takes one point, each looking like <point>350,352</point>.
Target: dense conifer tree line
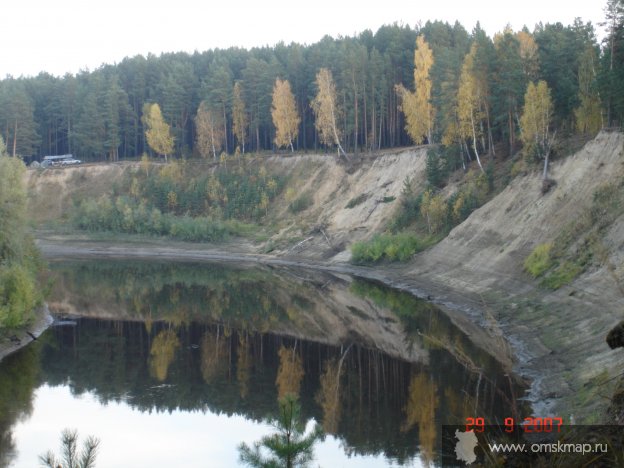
<point>99,114</point>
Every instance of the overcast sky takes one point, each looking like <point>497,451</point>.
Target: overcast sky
<point>60,36</point>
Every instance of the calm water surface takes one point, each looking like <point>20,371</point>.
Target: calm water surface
<point>177,364</point>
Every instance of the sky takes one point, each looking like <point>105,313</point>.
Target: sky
<point>67,36</point>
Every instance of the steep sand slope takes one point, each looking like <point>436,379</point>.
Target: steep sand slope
<point>330,183</point>
<point>377,181</point>
<point>560,334</point>
<point>52,192</point>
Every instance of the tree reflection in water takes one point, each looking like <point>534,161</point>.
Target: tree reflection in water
<point>19,374</point>
<point>289,373</point>
<point>236,341</point>
<point>420,410</point>
<point>162,354</point>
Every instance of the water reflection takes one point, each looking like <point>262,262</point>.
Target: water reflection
<point>377,368</point>
<point>18,380</point>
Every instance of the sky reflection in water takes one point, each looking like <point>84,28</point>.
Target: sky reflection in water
<point>158,439</point>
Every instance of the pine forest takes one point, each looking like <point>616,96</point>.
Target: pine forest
<point>435,83</point>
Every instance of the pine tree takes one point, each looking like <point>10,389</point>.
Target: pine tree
<point>239,115</point>
<point>285,116</point>
<point>218,89</point>
<point>17,117</point>
<point>509,84</point>
<point>71,457</point>
<point>290,447</point>
<point>613,69</point>
<point>589,113</point>
<point>90,128</point>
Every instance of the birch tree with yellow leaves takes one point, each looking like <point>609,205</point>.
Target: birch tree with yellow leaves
<point>416,106</point>
<point>326,111</point>
<point>535,122</point>
<point>285,116</point>
<point>209,127</point>
<point>157,131</point>
<point>470,103</point>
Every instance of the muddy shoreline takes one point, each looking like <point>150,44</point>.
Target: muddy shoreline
<point>12,341</point>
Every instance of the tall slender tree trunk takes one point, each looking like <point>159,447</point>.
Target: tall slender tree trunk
<point>355,138</point>
<point>461,156</point>
<point>373,128</point>
<point>355,116</point>
<point>474,142</point>
<point>379,135</point>
<point>69,139</point>
<point>225,128</point>
<point>510,122</point>
<point>365,121</point>
<point>15,139</point>
<point>335,131</point>
<point>489,130</point>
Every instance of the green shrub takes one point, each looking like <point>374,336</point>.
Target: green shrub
<point>18,295</point>
<point>125,215</point>
<point>562,275</point>
<point>409,210</point>
<point>301,203</point>
<point>539,261</point>
<point>357,201</point>
<point>390,247</point>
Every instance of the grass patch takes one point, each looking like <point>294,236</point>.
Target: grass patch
<point>357,201</point>
<point>579,244</point>
<point>539,261</point>
<point>562,275</point>
<point>301,203</point>
<point>388,247</point>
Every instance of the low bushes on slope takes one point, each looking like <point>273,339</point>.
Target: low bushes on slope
<point>390,247</point>
<point>580,243</point>
<point>184,201</point>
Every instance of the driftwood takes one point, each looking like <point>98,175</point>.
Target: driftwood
<point>321,228</point>
<point>325,236</point>
<point>302,242</point>
<point>377,202</point>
